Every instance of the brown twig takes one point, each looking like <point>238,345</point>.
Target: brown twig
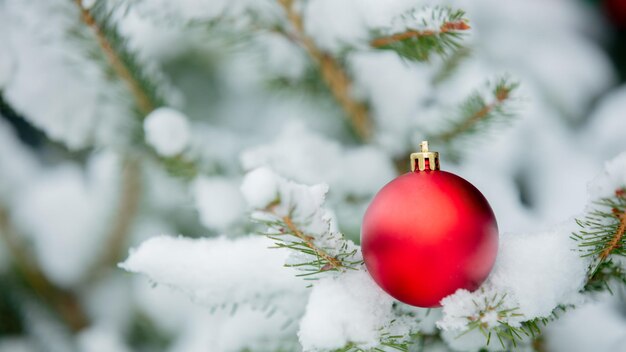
<point>333,262</point>
<point>333,74</point>
<point>617,238</point>
<point>143,101</point>
<point>447,27</point>
<point>65,303</point>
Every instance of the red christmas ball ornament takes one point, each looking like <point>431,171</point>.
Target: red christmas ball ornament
<point>428,233</point>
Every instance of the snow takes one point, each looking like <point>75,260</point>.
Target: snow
<point>65,213</point>
<point>607,118</point>
<point>596,326</point>
<point>15,344</point>
<point>219,202</point>
<point>218,270</point>
<point>395,88</point>
<point>17,163</point>
<point>349,308</point>
<point>7,62</point>
<point>101,339</point>
<point>244,329</point>
<point>167,131</point>
<point>537,272</point>
<point>260,188</point>
<point>335,25</point>
<point>305,156</point>
<point>610,180</point>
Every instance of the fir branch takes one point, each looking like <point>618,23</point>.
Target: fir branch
<point>329,261</point>
<point>334,75</point>
<point>616,244</point>
<point>476,111</point>
<point>119,62</point>
<point>602,236</point>
<point>64,302</point>
<point>606,272</point>
<point>420,40</point>
<point>287,234</point>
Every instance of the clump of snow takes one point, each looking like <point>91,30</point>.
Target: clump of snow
<point>217,271</point>
<point>65,212</point>
<point>337,24</point>
<point>463,307</point>
<point>424,19</point>
<point>7,63</point>
<point>349,308</point>
<point>552,254</point>
<point>596,326</point>
<point>303,205</point>
<point>167,131</point>
<point>17,164</point>
<point>282,57</point>
<point>260,187</point>
<point>611,179</point>
<point>234,331</point>
<point>219,202</point>
<point>533,274</point>
<point>101,339</point>
<point>307,157</point>
<point>606,119</point>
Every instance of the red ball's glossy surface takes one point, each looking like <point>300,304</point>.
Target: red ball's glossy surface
<point>427,234</point>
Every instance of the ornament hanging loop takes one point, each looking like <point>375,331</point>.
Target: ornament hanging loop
<point>424,159</point>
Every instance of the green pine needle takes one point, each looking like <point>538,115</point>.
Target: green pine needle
<point>420,44</point>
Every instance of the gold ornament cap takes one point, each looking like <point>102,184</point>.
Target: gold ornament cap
<point>424,159</point>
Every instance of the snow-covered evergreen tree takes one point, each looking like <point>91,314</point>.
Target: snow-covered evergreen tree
<point>224,152</point>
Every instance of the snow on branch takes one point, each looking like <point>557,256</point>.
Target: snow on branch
<point>350,313</point>
<point>480,110</point>
<point>346,311</point>
<point>218,271</point>
<point>296,220</point>
<point>514,300</point>
<point>420,33</point>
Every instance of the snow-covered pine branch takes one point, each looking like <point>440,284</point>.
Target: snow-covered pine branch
<point>220,272</point>
<point>355,313</point>
<point>296,220</point>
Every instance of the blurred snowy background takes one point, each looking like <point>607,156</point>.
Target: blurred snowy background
<point>82,179</point>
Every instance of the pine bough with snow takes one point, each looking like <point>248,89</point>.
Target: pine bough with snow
<point>319,102</point>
